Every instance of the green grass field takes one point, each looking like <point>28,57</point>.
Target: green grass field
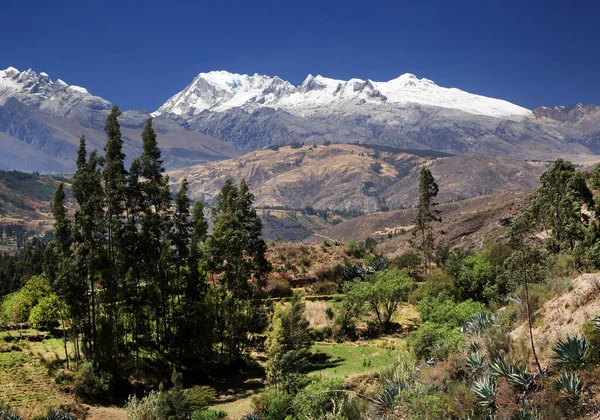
<point>344,360</point>
<point>25,383</point>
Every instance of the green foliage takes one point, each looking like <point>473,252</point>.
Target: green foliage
<point>288,341</point>
<point>45,315</point>
<point>91,386</point>
<point>273,404</point>
<point>409,261</point>
<point>208,414</point>
<point>390,288</point>
<point>200,396</point>
<point>351,307</point>
<point>570,353</point>
<point>319,397</point>
<point>444,311</point>
<point>423,238</point>
<point>475,277</point>
<point>558,207</point>
<point>435,340</point>
<point>18,306</point>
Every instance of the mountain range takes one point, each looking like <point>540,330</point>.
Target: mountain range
<point>223,115</point>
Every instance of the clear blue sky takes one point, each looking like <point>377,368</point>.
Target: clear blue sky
<point>138,54</point>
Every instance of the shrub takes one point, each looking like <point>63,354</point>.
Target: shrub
<point>591,333</point>
<point>318,398</point>
<point>89,385</point>
<point>410,261</point>
<point>279,287</point>
<point>45,315</point>
<point>208,414</point>
<point>273,404</point>
<point>200,397</point>
<point>425,406</point>
<point>144,408</point>
<point>440,310</point>
<point>434,340</point>
<point>436,284</point>
<point>475,278</point>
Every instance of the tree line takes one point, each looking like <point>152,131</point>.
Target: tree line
<point>137,270</point>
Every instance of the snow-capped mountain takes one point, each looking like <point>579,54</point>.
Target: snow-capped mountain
<point>219,91</point>
<point>56,97</point>
<point>41,121</point>
<point>221,114</point>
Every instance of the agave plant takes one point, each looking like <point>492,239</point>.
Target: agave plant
<point>251,416</point>
<point>596,322</point>
<point>570,352</point>
<point>501,368</point>
<point>485,391</point>
<point>478,323</point>
<point>58,415</point>
<point>527,413</point>
<point>569,383</point>
<point>520,380</point>
<point>386,399</point>
<point>475,362</point>
<point>8,414</point>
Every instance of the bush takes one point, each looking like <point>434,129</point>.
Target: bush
<point>200,397</point>
<point>208,414</point>
<point>435,341</point>
<point>475,277</point>
<point>318,398</point>
<point>442,310</point>
<point>89,385</point>
<point>279,287</point>
<point>436,284</point>
<point>273,404</point>
<point>45,315</point>
<point>17,306</point>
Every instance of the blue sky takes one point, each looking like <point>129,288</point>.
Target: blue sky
<point>138,54</point>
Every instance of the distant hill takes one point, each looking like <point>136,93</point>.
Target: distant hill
<point>355,178</point>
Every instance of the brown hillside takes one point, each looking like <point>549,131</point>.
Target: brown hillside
<point>355,178</point>
<point>466,223</point>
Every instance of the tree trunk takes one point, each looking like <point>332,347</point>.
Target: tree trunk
<point>537,362</point>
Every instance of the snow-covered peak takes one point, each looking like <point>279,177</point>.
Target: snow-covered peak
<point>219,91</point>
<point>39,90</point>
<point>222,90</point>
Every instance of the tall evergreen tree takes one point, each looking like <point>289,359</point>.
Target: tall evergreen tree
<point>155,224</point>
<point>236,254</point>
<point>423,238</point>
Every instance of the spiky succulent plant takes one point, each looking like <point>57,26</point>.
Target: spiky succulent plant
<point>570,384</point>
<point>485,391</point>
<point>570,353</point>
